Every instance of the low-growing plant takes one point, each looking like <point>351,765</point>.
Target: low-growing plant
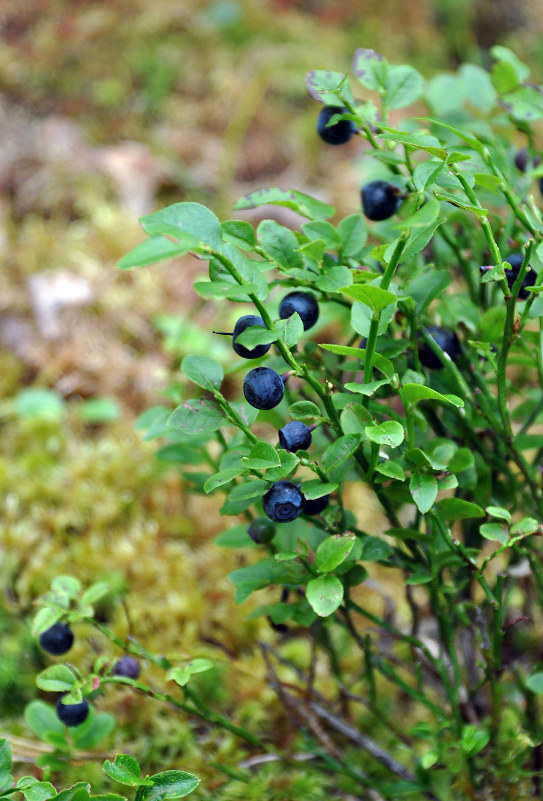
<point>170,784</point>
<point>437,415</point>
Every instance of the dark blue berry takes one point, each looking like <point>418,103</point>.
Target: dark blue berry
<point>243,323</point>
<point>303,303</point>
<point>380,200</point>
<point>261,530</point>
<point>515,260</point>
<point>340,132</point>
<point>127,666</point>
<point>521,159</point>
<point>263,388</point>
<point>315,506</point>
<point>57,640</point>
<point>447,341</point>
<point>295,436</point>
<point>283,502</point>
<point>72,714</point>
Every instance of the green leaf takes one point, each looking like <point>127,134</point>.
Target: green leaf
<point>39,404</point>
<point>203,371</point>
<point>80,791</point>
<point>239,233</point>
<point>362,315</point>
<point>495,532</point>
<point>5,756</point>
<point>375,549</point>
<point>535,683</point>
<point>414,393</point>
<point>34,790</point>
<point>403,86</point>
<point>315,488</point>
<point>423,488</point>
<point>42,720</point>
<point>99,410</point>
<point>244,495</point>
<point>157,248</point>
<point>459,509</point>
<point>499,512</point>
<point>181,675</point>
<point>417,141</point>
<point>469,140</point>
<point>525,103</point>
<point>45,618</point>
<point>125,770</point>
<point>353,233</point>
<point>428,286</point>
<point>280,244</point>
<point>185,218</point>
<point>306,411</point>
<point>339,451</point>
<point>221,478</point>
<point>426,173</point>
<point>68,585</point>
<point>372,296</point>
<point>423,217</point>
<point>290,330</point>
<point>462,460</point>
<point>504,78</point>
<point>305,205</point>
<point>95,592</point>
<point>334,279</point>
<point>57,678</point>
<point>389,433</point>
<point>525,526</point>
<point>479,90</point>
<point>320,229</point>
<point>197,416</point>
<point>501,53</point>
<point>200,665</point>
<point>324,594</point>
<point>382,364</point>
<point>168,784</point>
<point>366,389</point>
<point>370,68</point>
<point>417,241</point>
<point>333,551</point>
<point>354,418</point>
<point>93,730</point>
<point>391,469</point>
<point>325,85</point>
<point>261,456</point>
<point>474,740</point>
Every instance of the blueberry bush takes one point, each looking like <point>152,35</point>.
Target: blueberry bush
<point>396,353</point>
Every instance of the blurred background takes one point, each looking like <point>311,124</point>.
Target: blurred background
<point>109,110</point>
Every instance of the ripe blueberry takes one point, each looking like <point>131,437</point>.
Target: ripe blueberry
<point>57,640</point>
<point>243,323</point>
<point>340,132</point>
<point>126,666</point>
<point>303,303</point>
<point>263,388</point>
<point>295,436</point>
<point>261,530</point>
<point>515,260</point>
<point>283,502</point>
<point>380,200</point>
<point>447,341</point>
<point>521,159</point>
<point>72,714</point>
<point>315,506</point>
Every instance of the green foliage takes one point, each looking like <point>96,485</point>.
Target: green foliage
<point>414,435</point>
<point>169,784</point>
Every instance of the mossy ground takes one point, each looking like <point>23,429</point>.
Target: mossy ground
<point>108,110</point>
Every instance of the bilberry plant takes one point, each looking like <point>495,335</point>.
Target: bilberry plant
<point>435,421</point>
